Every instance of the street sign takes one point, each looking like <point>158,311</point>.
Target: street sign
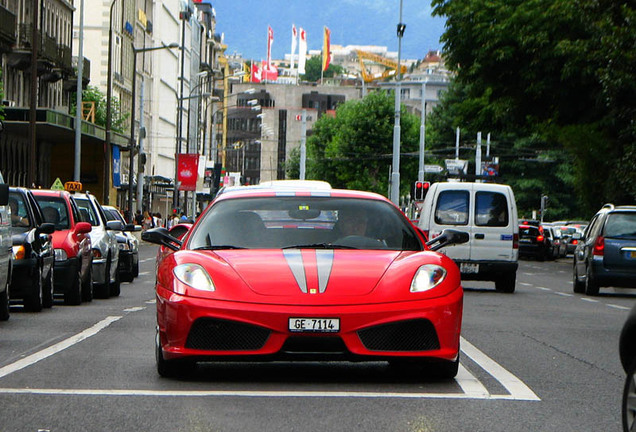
<point>57,185</point>
<point>455,167</point>
<point>433,169</point>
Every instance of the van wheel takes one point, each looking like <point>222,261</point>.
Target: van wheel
<point>506,283</point>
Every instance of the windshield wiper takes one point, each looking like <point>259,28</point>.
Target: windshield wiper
<point>319,246</point>
<point>217,247</point>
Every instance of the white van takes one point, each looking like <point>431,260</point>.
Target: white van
<point>488,213</point>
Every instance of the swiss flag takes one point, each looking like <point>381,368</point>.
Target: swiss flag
<point>256,73</point>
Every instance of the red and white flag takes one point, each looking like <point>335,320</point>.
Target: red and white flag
<point>270,41</point>
<point>269,72</point>
<point>293,45</point>
<point>256,73</point>
<point>302,51</point>
<point>187,164</point>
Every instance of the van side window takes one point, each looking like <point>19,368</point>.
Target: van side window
<point>491,209</point>
<point>452,208</point>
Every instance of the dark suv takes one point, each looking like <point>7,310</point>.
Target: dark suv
<point>532,242</point>
<point>606,252</point>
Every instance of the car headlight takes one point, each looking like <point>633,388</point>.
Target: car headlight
<point>194,276</point>
<point>19,252</point>
<point>123,246</point>
<point>427,277</point>
<point>60,255</point>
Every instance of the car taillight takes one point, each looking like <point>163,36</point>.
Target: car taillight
<point>575,242</point>
<point>599,246</point>
<point>515,241</point>
<point>539,238</point>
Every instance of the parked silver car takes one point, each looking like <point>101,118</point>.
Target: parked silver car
<point>104,242</point>
<point>5,250</point>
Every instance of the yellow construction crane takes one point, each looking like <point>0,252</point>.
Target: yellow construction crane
<point>366,76</point>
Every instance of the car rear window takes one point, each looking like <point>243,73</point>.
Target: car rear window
<point>621,225</point>
<point>491,209</point>
<point>452,208</point>
<point>528,231</point>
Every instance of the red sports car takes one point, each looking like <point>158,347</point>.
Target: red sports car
<point>273,274</point>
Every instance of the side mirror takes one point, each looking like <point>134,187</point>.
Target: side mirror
<point>129,227</point>
<point>115,225</point>
<point>448,237</point>
<point>46,228</point>
<point>161,236</point>
<point>83,227</point>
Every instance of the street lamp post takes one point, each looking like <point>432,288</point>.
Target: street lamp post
<point>131,145</point>
<point>395,175</point>
<point>109,95</point>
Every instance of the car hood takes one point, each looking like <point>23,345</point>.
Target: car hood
<point>310,271</point>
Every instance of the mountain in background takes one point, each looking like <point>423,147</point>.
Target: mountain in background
<point>244,25</point>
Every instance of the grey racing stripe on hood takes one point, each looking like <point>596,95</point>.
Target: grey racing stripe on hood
<point>295,262</point>
<point>324,261</point>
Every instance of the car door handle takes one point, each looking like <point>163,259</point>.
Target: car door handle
<point>480,236</point>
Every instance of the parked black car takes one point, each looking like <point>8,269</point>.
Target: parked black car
<point>606,252</point>
<point>532,243</point>
<point>33,254</point>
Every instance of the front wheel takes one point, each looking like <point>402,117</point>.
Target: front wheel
<point>87,285</point>
<point>171,368</point>
<point>629,400</point>
<point>33,300</point>
<point>577,285</point>
<point>102,290</point>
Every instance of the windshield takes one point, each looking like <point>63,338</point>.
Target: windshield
<point>55,211</point>
<point>287,222</point>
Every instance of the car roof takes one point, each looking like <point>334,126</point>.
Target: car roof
<point>282,192</point>
<point>50,192</point>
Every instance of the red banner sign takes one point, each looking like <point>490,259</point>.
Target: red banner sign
<point>188,164</point>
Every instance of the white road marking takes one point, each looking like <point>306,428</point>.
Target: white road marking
<point>563,294</point>
<point>525,284</point>
<point>518,390</point>
<point>153,301</point>
<point>54,349</point>
<point>544,288</point>
<point>247,393</point>
<point>134,309</point>
<point>618,307</point>
<point>469,384</point>
<point>589,300</point>
<point>144,273</point>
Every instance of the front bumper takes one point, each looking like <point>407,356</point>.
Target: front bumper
<point>64,273</point>
<point>220,330</point>
<point>614,277</point>
<point>23,276</point>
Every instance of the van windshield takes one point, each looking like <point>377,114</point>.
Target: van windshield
<point>491,209</point>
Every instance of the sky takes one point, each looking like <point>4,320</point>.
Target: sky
<point>352,22</point>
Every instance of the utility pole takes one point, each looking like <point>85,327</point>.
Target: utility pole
<point>395,175</point>
<point>420,173</point>
<point>78,100</point>
<point>35,43</point>
<point>303,147</point>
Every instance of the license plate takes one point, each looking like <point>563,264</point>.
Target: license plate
<point>468,268</point>
<point>314,325</point>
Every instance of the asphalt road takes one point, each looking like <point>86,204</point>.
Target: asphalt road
<point>541,359</point>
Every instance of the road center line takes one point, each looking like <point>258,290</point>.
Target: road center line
<point>54,349</point>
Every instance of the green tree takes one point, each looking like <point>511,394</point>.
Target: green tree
<point>93,94</point>
<point>353,150</point>
<point>313,66</point>
<point>555,78</point>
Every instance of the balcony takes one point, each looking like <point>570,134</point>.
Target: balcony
<point>65,58</point>
<point>70,84</point>
<point>8,29</point>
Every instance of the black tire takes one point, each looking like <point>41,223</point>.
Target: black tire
<point>33,300</point>
<point>73,294</point>
<point>506,282</point>
<point>629,397</point>
<point>577,285</point>
<point>47,290</point>
<point>591,286</point>
<point>136,268</point>
<point>171,368</point>
<point>4,304</point>
<point>87,285</point>
<point>115,287</point>
<point>103,290</point>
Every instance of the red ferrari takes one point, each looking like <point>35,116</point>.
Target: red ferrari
<point>273,274</point>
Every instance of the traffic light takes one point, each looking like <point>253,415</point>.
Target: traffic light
<point>420,188</point>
